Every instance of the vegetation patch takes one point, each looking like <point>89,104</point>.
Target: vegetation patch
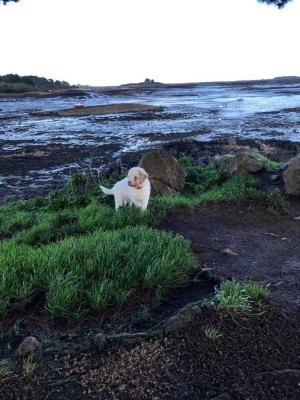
<point>237,298</point>
<point>268,164</point>
<point>74,246</point>
<point>99,269</point>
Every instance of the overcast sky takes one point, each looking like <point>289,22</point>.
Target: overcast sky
<point>111,42</point>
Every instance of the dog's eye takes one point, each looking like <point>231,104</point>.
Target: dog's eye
<point>135,178</point>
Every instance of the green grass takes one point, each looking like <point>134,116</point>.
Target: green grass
<point>212,333</point>
<point>274,201</point>
<point>5,370</point>
<point>96,270</point>
<point>73,245</point>
<point>268,164</point>
<point>234,297</point>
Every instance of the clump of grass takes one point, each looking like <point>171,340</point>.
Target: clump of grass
<point>221,165</point>
<point>199,180</point>
<point>255,291</point>
<point>239,298</point>
<point>275,201</point>
<point>99,269</point>
<point>28,366</point>
<point>5,370</point>
<point>231,298</point>
<point>212,333</point>
<point>268,164</point>
<point>237,188</point>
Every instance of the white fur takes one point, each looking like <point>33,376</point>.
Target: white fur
<point>134,189</point>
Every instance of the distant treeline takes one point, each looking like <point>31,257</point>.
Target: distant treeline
<point>13,83</point>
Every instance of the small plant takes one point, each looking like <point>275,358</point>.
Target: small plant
<point>239,298</point>
<point>221,165</point>
<point>143,315</point>
<point>16,328</point>
<point>230,297</point>
<point>274,201</point>
<point>185,161</point>
<point>5,370</point>
<point>28,366</point>
<point>212,333</point>
<point>255,291</point>
<point>77,184</point>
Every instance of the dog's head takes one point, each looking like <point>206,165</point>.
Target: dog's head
<point>136,177</point>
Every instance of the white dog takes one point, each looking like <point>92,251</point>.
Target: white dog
<point>134,189</point>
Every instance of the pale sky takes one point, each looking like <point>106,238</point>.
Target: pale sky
<point>112,42</point>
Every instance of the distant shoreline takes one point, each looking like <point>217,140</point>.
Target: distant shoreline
<point>82,90</point>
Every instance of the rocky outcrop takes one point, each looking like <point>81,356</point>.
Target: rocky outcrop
<point>166,175</point>
<point>291,176</point>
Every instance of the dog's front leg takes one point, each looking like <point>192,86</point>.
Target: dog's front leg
<point>144,205</point>
<point>119,200</point>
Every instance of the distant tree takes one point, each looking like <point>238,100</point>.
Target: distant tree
<point>278,3</point>
<point>32,80</point>
<point>7,1</point>
<point>10,78</point>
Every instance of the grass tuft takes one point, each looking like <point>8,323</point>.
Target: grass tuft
<point>239,298</point>
<point>268,164</point>
<point>212,333</point>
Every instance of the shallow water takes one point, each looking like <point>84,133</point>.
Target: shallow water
<point>204,112</point>
<point>209,110</point>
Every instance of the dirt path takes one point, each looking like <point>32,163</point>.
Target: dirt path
<point>268,245</point>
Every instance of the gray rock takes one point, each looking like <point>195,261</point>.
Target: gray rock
<point>291,176</point>
<point>244,162</point>
<point>30,348</point>
<point>166,175</point>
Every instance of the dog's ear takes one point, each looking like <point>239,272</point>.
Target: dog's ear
<point>142,175</point>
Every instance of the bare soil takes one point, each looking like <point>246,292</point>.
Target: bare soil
<point>255,357</point>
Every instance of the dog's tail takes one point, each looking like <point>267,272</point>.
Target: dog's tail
<point>106,191</point>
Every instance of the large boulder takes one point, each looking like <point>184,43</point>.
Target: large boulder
<point>291,176</point>
<point>166,175</point>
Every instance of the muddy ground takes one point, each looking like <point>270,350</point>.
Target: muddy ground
<point>254,357</point>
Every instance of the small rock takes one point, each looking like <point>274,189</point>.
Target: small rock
<point>30,347</point>
<point>100,341</point>
<point>297,218</point>
<point>273,177</point>
<point>230,252</point>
